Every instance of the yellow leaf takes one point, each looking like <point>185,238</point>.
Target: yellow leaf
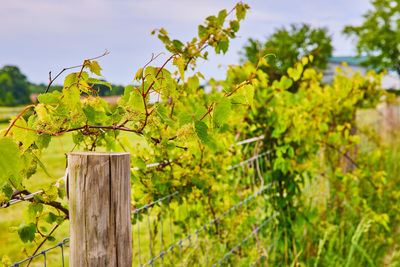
<point>95,68</point>
<point>178,61</point>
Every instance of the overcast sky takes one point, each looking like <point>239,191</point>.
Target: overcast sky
<point>46,35</point>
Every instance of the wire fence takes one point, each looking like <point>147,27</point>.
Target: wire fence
<point>164,233</point>
<point>187,240</point>
<point>63,244</point>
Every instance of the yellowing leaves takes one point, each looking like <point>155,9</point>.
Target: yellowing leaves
<point>94,67</point>
<point>22,134</point>
<point>285,83</point>
<point>179,62</point>
<point>295,73</point>
<point>241,10</point>
<point>193,83</point>
<point>138,75</point>
<point>10,159</point>
<point>134,99</point>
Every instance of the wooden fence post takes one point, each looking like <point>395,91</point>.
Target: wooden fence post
<point>100,209</point>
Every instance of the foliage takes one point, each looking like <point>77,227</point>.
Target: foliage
<point>378,36</point>
<point>311,132</point>
<point>183,129</point>
<point>310,135</point>
<point>287,46</point>
<point>13,87</point>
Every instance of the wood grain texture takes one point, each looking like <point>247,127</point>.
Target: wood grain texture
<point>99,207</point>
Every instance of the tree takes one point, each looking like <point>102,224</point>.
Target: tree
<point>379,35</point>
<point>14,87</point>
<point>289,45</point>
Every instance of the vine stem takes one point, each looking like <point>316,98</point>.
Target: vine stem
<point>41,244</point>
<point>17,118</point>
<point>68,68</point>
<point>228,94</point>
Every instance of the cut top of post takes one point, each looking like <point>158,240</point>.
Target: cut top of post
<point>95,153</point>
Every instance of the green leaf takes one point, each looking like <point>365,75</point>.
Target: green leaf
<point>177,44</point>
<point>304,60</point>
<point>96,81</point>
<point>51,217</point>
<point>156,85</point>
<point>178,61</point>
<point>35,208</point>
<point>43,140</point>
<point>163,31</point>
<point>90,113</point>
<point>223,45</point>
<point>221,112</point>
<point>221,17</point>
<point>170,145</point>
<point>211,18</point>
<point>8,191</point>
<point>202,31</point>
<point>240,11</point>
<point>285,83</point>
<point>27,232</point>
<point>163,114</point>
<point>138,162</point>
<point>51,238</point>
<point>201,131</point>
<point>295,73</point>
<point>127,94</point>
<point>95,68</point>
<point>72,95</point>
<point>48,98</point>
<point>138,75</point>
<point>41,165</point>
<point>136,100</point>
<point>193,83</point>
<point>23,136</point>
<point>70,79</point>
<point>184,118</point>
<point>248,91</point>
<point>234,25</point>
<point>10,159</point>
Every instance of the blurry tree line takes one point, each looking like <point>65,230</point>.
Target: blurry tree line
<point>15,89</point>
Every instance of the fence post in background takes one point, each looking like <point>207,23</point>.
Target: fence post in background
<point>100,209</point>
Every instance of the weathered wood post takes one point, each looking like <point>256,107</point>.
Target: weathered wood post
<point>99,209</point>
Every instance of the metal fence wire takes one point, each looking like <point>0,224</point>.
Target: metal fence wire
<point>62,245</point>
<point>165,232</point>
<point>179,250</point>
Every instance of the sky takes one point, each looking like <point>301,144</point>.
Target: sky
<point>47,35</point>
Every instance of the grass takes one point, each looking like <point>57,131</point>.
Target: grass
<point>8,112</point>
